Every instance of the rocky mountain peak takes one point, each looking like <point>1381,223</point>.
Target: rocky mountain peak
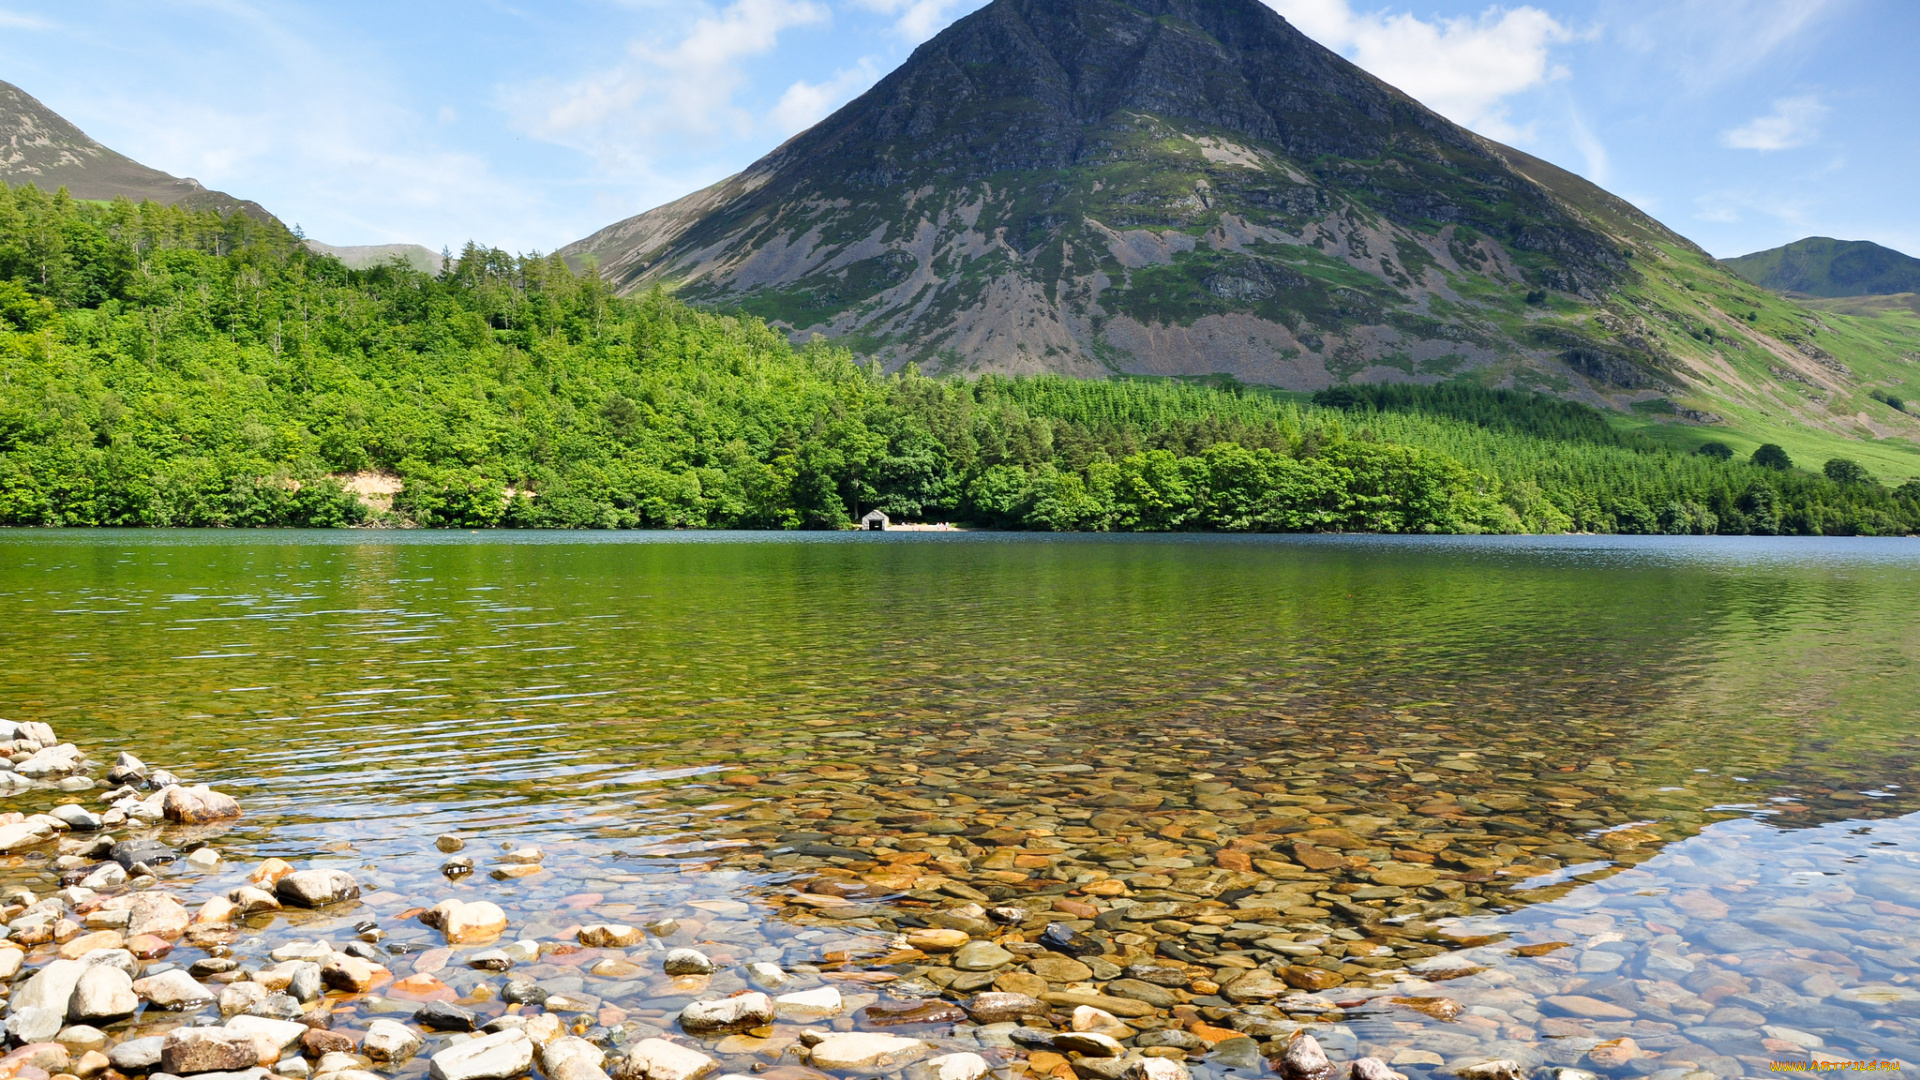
<point>39,146</point>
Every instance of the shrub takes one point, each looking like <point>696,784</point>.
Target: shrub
<point>1846,471</point>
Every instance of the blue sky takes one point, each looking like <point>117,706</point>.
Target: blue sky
<point>1741,123</point>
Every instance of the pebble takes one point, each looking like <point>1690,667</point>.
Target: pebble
<point>103,993</point>
<point>137,1055</point>
<point>606,936</point>
<point>981,956</point>
<point>864,1050</point>
<point>197,805</point>
<point>316,888</point>
<point>499,1056</point>
<point>387,1040</point>
<point>207,1049</point>
<point>809,1004</point>
<point>688,962</point>
<point>658,1059</point>
<point>727,1015</point>
<point>1303,1059</point>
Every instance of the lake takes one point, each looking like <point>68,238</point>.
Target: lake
<point>1636,806</point>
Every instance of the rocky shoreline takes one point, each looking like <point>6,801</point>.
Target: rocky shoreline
<point>859,922</point>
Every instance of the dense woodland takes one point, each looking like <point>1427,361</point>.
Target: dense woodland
<point>160,367</point>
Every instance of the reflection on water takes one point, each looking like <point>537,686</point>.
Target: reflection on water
<point>1341,761</point>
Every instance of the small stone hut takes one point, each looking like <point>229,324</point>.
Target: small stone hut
<point>876,521</point>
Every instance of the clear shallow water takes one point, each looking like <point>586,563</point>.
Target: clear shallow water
<point>1636,747</point>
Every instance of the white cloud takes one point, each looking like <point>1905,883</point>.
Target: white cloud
<point>684,91</point>
<point>918,20</point>
<point>806,104</point>
<point>1794,121</point>
<point>1463,68</point>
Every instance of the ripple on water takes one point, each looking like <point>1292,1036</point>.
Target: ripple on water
<point>1627,806</point>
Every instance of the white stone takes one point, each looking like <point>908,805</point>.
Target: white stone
<point>273,1037</point>
<point>732,1014</point>
<point>1156,1068</point>
<point>102,993</point>
<point>965,1067</point>
<point>25,834</point>
<point>173,990</point>
<point>572,1058</point>
<point>113,958</point>
<point>866,1050</point>
<point>390,1040</point>
<point>658,1059</point>
<point>767,976</point>
<point>543,1028</point>
<point>35,1025</point>
<point>50,988</point>
<point>499,1056</point>
<point>106,877</point>
<point>809,1004</point>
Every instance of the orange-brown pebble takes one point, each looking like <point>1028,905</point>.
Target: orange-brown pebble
<point>94,942</point>
<point>422,988</point>
<point>149,946</point>
<point>270,872</point>
<point>1233,860</point>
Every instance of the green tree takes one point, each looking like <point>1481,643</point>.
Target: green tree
<point>1846,471</point>
<point>1771,456</point>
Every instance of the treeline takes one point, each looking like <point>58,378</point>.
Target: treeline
<point>160,367</point>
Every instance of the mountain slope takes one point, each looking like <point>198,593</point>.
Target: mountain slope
<point>369,255</point>
<point>1193,187</point>
<point>1823,266</point>
<point>38,146</point>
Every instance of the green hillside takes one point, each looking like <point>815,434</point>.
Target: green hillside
<point>1823,266</point>
<point>166,367</point>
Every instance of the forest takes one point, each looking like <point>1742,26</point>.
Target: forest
<point>161,367</point>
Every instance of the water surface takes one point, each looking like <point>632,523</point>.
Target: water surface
<point>1690,760</point>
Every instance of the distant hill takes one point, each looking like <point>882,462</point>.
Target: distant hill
<point>39,146</point>
<point>360,258</point>
<point>1823,266</point>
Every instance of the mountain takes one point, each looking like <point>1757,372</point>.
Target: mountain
<point>1164,186</point>
<point>1195,188</point>
<point>1823,266</point>
<point>38,146</point>
<point>363,257</point>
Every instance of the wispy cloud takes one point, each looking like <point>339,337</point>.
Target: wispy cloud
<point>261,105</point>
<point>1705,43</point>
<point>1599,162</point>
<point>1463,68</point>
<point>918,20</point>
<point>12,21</point>
<point>684,91</point>
<point>1731,207</point>
<point>1794,121</point>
